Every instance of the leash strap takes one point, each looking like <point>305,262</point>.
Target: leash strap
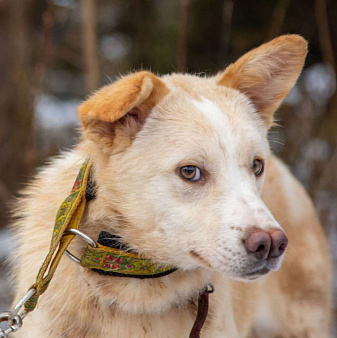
<point>68,217</point>
<point>202,312</point>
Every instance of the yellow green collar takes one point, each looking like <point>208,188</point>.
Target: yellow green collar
<point>115,262</point>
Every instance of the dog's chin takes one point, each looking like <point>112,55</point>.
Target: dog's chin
<point>250,276</point>
<point>260,272</point>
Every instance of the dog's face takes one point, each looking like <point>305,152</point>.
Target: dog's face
<point>181,160</point>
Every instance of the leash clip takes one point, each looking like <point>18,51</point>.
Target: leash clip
<point>12,318</point>
<point>210,288</point>
<point>89,240</point>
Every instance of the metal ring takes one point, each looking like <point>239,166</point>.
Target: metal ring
<point>5,333</point>
<point>89,240</point>
<point>13,323</point>
<point>21,302</point>
<point>4,316</point>
<point>13,319</point>
<point>23,314</point>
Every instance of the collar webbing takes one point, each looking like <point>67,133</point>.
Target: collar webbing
<point>119,263</point>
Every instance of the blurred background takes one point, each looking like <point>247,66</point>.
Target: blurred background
<point>54,53</point>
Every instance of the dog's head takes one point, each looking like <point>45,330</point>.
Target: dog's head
<point>179,161</point>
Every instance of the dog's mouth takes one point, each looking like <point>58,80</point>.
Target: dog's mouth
<point>256,274</point>
<point>261,271</point>
<point>250,274</point>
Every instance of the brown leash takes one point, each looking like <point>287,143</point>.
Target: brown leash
<point>202,311</point>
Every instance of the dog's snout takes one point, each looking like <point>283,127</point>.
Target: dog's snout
<point>264,244</point>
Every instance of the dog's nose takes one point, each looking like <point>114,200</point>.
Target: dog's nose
<point>279,243</point>
<point>258,244</point>
<point>264,244</point>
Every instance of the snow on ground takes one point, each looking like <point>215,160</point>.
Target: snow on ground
<point>53,113</point>
<point>6,243</point>
<point>6,291</point>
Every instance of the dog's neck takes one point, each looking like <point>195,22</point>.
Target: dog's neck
<point>146,296</point>
<point>134,295</point>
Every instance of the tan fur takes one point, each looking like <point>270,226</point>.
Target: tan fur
<point>110,103</point>
<point>267,73</point>
<point>198,227</point>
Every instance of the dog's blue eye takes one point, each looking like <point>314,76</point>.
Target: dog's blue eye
<point>191,173</point>
<point>258,166</point>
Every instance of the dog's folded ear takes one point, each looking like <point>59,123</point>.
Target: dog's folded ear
<point>266,74</point>
<point>121,107</point>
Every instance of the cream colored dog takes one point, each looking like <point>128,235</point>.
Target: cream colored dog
<point>185,177</point>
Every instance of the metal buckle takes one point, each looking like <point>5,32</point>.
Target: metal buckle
<point>13,318</point>
<point>89,240</point>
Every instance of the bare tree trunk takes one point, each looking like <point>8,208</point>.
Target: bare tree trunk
<point>182,39</point>
<point>89,45</point>
<point>225,30</point>
<point>324,33</point>
<point>277,19</point>
<point>327,127</point>
<point>16,98</point>
<point>327,182</point>
<point>46,47</point>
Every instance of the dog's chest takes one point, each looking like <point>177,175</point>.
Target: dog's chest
<point>174,323</point>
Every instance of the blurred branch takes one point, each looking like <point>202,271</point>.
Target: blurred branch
<point>327,127</point>
<point>48,18</point>
<point>182,39</point>
<point>90,44</point>
<point>225,29</point>
<point>324,34</point>
<point>16,95</point>
<point>277,19</point>
<point>69,56</point>
<point>5,193</point>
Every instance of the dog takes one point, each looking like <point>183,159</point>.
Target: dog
<point>184,177</point>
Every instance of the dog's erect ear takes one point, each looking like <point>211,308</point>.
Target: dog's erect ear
<point>121,106</point>
<point>266,74</point>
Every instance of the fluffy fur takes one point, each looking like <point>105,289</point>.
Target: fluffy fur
<point>138,132</point>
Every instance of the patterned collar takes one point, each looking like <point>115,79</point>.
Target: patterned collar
<point>112,258</point>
